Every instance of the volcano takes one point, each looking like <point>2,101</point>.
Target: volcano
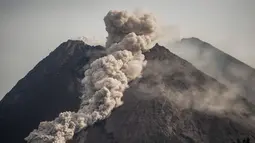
<point>164,105</point>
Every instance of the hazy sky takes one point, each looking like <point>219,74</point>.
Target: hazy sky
<point>30,29</point>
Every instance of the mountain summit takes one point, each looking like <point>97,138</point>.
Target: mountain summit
<point>171,102</point>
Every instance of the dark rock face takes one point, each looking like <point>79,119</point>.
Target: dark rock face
<point>51,87</point>
<point>149,113</point>
<point>217,64</point>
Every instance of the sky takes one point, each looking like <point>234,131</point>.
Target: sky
<point>31,29</point>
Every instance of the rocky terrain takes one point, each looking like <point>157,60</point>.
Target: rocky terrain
<point>172,101</point>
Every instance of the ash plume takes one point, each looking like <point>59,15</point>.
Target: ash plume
<point>129,35</point>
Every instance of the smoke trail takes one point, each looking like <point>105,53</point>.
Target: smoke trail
<point>106,79</point>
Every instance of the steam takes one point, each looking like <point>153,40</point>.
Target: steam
<point>129,35</point>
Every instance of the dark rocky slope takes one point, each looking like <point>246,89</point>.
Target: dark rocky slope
<point>48,89</point>
<point>149,113</point>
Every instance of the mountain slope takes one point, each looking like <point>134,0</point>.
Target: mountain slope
<point>152,114</point>
<point>166,104</point>
<point>48,89</point>
<point>217,64</point>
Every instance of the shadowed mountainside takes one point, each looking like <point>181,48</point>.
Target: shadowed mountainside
<point>48,89</point>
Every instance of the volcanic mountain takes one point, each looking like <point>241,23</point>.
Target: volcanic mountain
<point>171,102</point>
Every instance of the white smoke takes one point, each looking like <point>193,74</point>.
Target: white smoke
<point>92,41</point>
<point>129,35</point>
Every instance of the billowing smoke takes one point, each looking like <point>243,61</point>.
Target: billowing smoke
<point>129,35</point>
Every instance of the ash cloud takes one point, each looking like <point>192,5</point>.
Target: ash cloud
<point>129,35</point>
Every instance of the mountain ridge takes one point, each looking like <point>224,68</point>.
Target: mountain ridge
<point>208,45</point>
